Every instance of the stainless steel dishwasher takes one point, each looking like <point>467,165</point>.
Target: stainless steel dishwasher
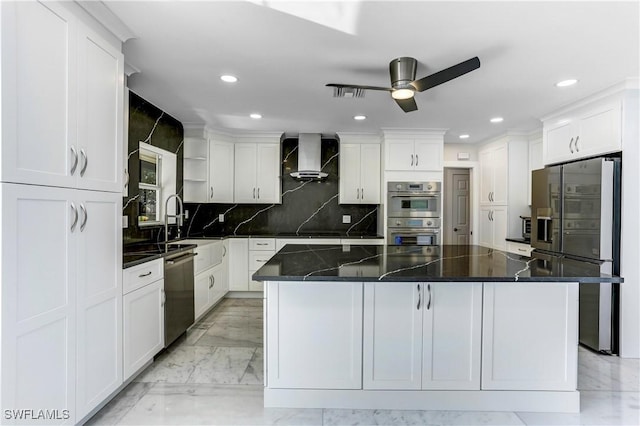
<point>178,290</point>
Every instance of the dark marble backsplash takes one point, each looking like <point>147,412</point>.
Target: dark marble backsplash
<point>308,207</point>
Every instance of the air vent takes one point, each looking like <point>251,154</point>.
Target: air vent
<point>348,92</point>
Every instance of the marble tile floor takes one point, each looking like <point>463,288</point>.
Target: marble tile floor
<point>213,376</point>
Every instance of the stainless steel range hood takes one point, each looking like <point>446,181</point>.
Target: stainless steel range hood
<point>309,157</point>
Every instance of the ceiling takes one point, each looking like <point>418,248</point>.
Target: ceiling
<point>284,53</point>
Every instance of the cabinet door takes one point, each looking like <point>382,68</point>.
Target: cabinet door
<point>220,172</point>
<point>500,166</point>
<point>485,236</point>
<point>268,174</point>
<point>451,336</point>
<point>428,155</point>
<point>500,224</point>
<point>201,288</point>
<point>219,285</point>
<point>38,94</point>
<point>530,336</point>
<point>238,264</point>
<point>143,325</point>
<point>399,155</point>
<point>39,260</point>
<point>349,174</point>
<point>600,131</point>
<point>315,335</point>
<point>486,177</point>
<point>392,345</point>
<point>370,174</point>
<point>245,173</point>
<point>557,140</point>
<point>99,302</point>
<point>100,112</point>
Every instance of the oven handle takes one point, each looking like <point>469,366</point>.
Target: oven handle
<point>413,195</point>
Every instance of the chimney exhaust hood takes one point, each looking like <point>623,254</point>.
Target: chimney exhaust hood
<point>309,157</point>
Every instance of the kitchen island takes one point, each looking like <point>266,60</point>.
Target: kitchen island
<point>433,327</point>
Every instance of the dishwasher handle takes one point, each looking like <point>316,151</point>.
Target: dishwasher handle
<point>175,261</point>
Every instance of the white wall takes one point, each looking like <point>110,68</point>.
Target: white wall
<point>451,151</point>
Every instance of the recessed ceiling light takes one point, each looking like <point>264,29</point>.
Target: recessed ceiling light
<point>228,78</point>
<point>465,136</point>
<point>255,116</point>
<point>360,117</point>
<point>497,120</point>
<point>565,83</point>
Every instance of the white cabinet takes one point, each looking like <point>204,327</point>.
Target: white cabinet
<point>583,132</point>
<point>221,171</point>
<point>143,324</point>
<point>493,227</point>
<point>61,297</point>
<point>210,275</point>
<point>359,173</point>
<point>238,264</point>
<point>314,337</point>
<point>208,167</point>
<point>530,336</point>
<point>494,175</point>
<point>257,173</point>
<point>422,336</point>
<point>62,96</point>
<point>535,160</point>
<point>519,248</point>
<point>421,154</point>
<point>392,340</point>
<point>260,251</point>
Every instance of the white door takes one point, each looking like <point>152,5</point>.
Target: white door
<point>600,131</point>
<point>486,177</point>
<point>100,112</point>
<point>99,302</point>
<point>557,140</point>
<point>219,284</point>
<point>314,337</point>
<point>399,155</point>
<point>38,94</point>
<point>268,174</point>
<point>143,325</point>
<point>349,174</point>
<point>456,214</point>
<point>245,173</point>
<point>39,261</point>
<point>238,264</point>
<point>500,163</point>
<point>392,345</point>
<point>220,172</point>
<point>485,237</point>
<point>452,336</point>
<point>428,155</point>
<point>530,336</point>
<point>370,173</point>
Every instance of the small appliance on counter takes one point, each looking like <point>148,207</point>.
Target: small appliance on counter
<point>575,211</point>
<point>413,213</point>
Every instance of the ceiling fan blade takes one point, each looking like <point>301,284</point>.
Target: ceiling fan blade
<point>446,74</point>
<point>357,86</point>
<point>407,105</point>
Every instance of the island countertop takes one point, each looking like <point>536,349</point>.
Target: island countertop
<point>301,262</point>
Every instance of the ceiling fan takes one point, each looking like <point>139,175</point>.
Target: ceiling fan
<point>404,83</point>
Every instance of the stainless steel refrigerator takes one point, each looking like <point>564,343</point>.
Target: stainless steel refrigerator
<point>575,212</point>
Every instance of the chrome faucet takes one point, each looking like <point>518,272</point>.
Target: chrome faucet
<point>179,216</point>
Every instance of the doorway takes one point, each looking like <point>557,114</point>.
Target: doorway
<point>456,204</point>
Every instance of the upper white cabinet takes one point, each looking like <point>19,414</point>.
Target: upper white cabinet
<point>585,131</point>
<point>414,153</point>
<point>220,171</point>
<point>62,100</point>
<point>257,173</point>
<point>359,173</point>
<point>494,174</point>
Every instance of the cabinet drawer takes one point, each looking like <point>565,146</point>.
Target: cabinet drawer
<point>257,259</point>
<point>519,248</point>
<point>262,244</point>
<point>138,276</point>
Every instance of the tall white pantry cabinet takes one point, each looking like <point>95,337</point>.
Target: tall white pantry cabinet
<point>61,297</point>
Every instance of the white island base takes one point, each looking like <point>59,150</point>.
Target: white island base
<point>492,346</point>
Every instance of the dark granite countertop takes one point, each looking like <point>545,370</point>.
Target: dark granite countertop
<point>291,235</point>
<point>297,262</point>
<point>137,254</point>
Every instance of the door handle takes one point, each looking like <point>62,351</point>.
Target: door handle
<point>455,229</point>
<point>570,142</point>
<point>75,217</point>
<point>210,281</point>
<point>85,162</point>
<point>211,193</point>
<point>416,159</point>
<point>144,275</point>
<point>575,144</point>
<point>429,301</point>
<point>84,217</point>
<point>489,196</point>
<point>357,193</point>
<point>126,179</point>
<point>419,298</point>
<point>362,193</point>
<point>254,193</point>
<point>75,159</point>
<point>412,159</point>
<point>258,193</point>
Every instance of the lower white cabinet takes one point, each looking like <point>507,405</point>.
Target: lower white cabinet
<point>422,336</point>
<point>143,326</point>
<point>238,264</point>
<point>314,336</point>
<point>530,336</point>
<point>209,287</point>
<point>493,227</point>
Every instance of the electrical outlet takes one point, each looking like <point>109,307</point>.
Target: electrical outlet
<point>346,218</point>
<point>221,218</point>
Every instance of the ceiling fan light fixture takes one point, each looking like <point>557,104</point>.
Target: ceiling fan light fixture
<point>402,94</point>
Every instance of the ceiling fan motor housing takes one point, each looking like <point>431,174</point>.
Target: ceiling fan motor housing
<point>403,72</point>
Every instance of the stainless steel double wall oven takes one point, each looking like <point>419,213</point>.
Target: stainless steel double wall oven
<point>413,213</point>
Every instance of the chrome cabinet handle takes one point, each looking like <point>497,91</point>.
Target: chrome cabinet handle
<point>254,193</point>
<point>258,193</point>
<point>362,193</point>
<point>210,285</point>
<point>84,217</point>
<point>575,144</point>
<point>213,281</point>
<point>416,159</point>
<point>126,179</point>
<point>412,159</point>
<point>419,298</point>
<point>489,196</point>
<point>570,142</point>
<point>144,275</point>
<point>85,162</point>
<point>429,301</point>
<point>75,159</point>
<point>211,193</point>
<point>224,253</point>
<point>357,193</point>
<point>75,217</point>
<point>491,215</point>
